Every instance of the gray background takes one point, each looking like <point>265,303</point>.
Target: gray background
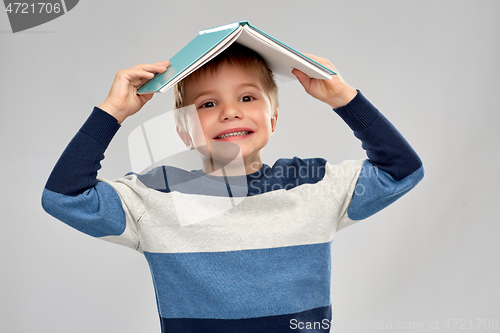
<point>430,66</point>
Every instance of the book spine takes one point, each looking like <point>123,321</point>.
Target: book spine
<point>222,27</point>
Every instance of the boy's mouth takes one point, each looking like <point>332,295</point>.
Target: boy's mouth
<point>234,132</point>
<point>227,135</point>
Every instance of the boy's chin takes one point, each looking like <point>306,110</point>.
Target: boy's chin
<point>222,153</point>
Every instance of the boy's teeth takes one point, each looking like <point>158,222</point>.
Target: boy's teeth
<point>233,134</point>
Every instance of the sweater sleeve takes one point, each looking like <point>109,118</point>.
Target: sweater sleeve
<point>392,169</point>
<point>73,193</point>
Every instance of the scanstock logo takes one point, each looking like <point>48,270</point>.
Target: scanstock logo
<point>28,14</point>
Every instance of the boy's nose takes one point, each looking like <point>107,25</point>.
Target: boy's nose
<point>230,112</point>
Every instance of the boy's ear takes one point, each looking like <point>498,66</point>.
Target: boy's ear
<point>185,137</point>
<point>274,121</point>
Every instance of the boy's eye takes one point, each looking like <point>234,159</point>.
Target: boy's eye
<point>247,99</point>
<point>207,105</point>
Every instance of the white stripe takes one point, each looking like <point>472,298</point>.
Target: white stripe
<point>179,223</point>
<point>64,6</point>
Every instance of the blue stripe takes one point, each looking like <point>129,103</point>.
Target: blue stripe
<point>284,174</point>
<point>376,189</point>
<point>319,320</point>
<point>76,169</point>
<point>385,146</point>
<point>86,213</point>
<point>242,284</point>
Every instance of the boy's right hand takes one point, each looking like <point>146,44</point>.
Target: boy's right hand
<point>122,100</point>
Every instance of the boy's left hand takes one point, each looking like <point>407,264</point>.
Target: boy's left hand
<point>335,92</point>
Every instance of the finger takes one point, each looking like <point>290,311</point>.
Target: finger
<point>123,80</point>
<point>304,80</point>
<point>315,58</point>
<point>138,74</point>
<point>147,97</point>
<point>133,78</point>
<point>163,63</point>
<point>152,68</point>
<point>159,67</point>
<point>138,83</point>
<point>312,56</point>
<point>323,61</point>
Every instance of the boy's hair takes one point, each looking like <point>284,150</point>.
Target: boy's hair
<point>235,54</point>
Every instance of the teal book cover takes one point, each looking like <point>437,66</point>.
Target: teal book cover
<point>190,53</point>
<point>209,41</point>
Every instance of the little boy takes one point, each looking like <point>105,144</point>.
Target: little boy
<point>263,265</point>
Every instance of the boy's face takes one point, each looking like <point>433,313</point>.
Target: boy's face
<point>232,101</point>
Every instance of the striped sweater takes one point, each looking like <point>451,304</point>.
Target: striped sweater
<point>245,254</point>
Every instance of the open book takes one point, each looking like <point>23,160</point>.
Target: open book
<point>211,42</point>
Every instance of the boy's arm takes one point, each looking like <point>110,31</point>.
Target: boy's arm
<point>392,168</point>
<point>72,193</point>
